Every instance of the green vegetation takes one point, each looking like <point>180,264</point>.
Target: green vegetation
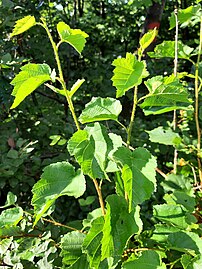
<point>100,145</point>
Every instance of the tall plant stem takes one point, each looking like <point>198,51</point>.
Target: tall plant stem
<point>135,101</point>
<point>175,74</point>
<point>98,189</point>
<point>130,127</point>
<point>197,106</point>
<point>61,77</point>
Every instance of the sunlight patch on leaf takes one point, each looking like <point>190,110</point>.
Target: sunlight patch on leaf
<point>99,109</point>
<point>23,25</point>
<point>58,179</point>
<point>128,73</point>
<point>75,37</point>
<point>30,78</point>
<point>165,94</point>
<point>167,49</point>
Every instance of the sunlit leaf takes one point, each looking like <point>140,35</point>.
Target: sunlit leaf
<point>174,215</point>
<point>188,16</point>
<point>167,49</point>
<point>58,179</point>
<point>165,94</point>
<point>23,25</point>
<point>75,37</point>
<point>99,109</point>
<point>147,39</point>
<point>164,136</point>
<point>138,173</point>
<point>128,73</point>
<point>76,86</point>
<point>11,216</point>
<point>148,260</point>
<point>30,78</point>
<point>11,200</point>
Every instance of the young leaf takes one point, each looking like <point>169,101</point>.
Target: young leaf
<point>11,200</point>
<point>76,86</point>
<point>58,179</point>
<point>138,173</point>
<point>147,39</point>
<point>167,49</point>
<point>91,148</point>
<point>119,226</point>
<point>99,109</point>
<point>148,260</point>
<point>75,37</point>
<point>128,73</point>
<point>188,16</point>
<point>30,78</point>
<point>23,25</point>
<point>165,94</point>
<point>164,136</point>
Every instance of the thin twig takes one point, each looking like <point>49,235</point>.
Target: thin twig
<point>98,189</point>
<point>175,74</point>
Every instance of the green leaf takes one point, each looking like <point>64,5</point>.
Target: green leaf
<point>91,148</point>
<point>10,230</point>
<point>148,260</point>
<point>174,215</point>
<point>23,25</point>
<point>5,244</point>
<point>167,49</point>
<point>147,39</point>
<point>119,226</point>
<point>58,179</point>
<point>11,200</point>
<point>99,109</point>
<point>128,73</point>
<point>11,216</point>
<point>71,245</point>
<point>91,217</point>
<point>177,182</point>
<point>88,201</point>
<point>185,242</point>
<point>162,231</point>
<point>138,173</point>
<point>181,198</point>
<point>30,78</point>
<point>76,86</point>
<point>92,243</point>
<point>75,37</point>
<point>189,16</point>
<point>164,136</point>
<point>165,94</point>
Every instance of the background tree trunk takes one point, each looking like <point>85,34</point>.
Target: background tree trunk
<point>153,19</point>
